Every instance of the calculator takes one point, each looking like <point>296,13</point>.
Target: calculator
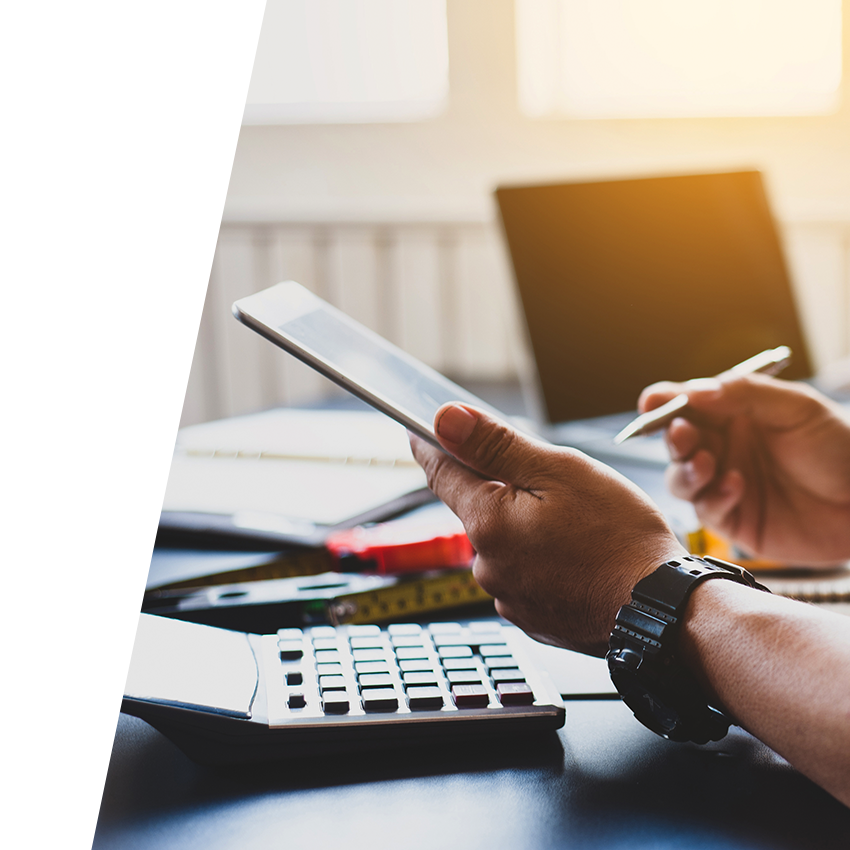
<point>227,697</point>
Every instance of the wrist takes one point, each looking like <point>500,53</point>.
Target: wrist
<point>713,608</point>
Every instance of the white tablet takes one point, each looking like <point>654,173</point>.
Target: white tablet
<point>352,356</point>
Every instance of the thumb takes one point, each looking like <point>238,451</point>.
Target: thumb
<point>490,447</point>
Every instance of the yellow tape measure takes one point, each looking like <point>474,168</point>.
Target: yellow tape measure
<point>408,597</point>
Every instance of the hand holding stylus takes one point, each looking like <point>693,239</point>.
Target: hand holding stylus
<point>770,362</point>
<point>765,462</point>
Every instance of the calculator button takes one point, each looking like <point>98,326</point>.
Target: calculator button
<point>320,644</point>
<point>290,650</point>
<point>371,667</point>
<point>363,630</point>
<point>507,675</point>
<point>420,699</point>
<point>296,701</point>
<point>331,683</point>
<point>329,669</point>
<point>328,656</point>
<point>412,665</point>
<point>289,634</point>
<point>463,677</point>
<point>444,628</point>
<point>460,663</point>
<point>376,680</point>
<point>515,693</point>
<point>451,640</point>
<point>405,653</point>
<point>404,629</point>
<point>368,655</point>
<point>406,640</point>
<point>470,696</point>
<point>294,677</point>
<point>380,699</point>
<point>501,661</point>
<point>335,702</point>
<point>494,649</point>
<point>367,642</point>
<point>323,632</point>
<point>421,678</point>
<point>455,652</point>
<point>485,627</point>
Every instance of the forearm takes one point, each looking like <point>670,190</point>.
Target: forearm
<point>781,669</point>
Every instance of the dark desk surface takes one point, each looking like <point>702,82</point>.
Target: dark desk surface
<point>602,782</point>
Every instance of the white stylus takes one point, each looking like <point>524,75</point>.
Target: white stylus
<point>769,362</point>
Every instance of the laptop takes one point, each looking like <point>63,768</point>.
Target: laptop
<point>627,282</point>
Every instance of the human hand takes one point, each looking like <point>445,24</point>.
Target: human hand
<point>765,462</point>
<point>561,539</point>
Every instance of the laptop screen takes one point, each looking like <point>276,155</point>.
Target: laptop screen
<point>628,282</point>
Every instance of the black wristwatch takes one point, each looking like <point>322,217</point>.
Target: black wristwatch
<point>642,654</point>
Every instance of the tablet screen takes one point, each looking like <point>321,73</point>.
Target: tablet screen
<point>371,363</point>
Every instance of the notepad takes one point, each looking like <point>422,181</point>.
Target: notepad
<point>293,474</point>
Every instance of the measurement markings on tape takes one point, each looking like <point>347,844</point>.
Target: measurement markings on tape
<point>407,597</point>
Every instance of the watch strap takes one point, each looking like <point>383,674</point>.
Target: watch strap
<point>643,649</point>
<point>659,600</point>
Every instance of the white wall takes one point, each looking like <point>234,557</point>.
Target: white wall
<point>327,204</point>
<point>446,168</point>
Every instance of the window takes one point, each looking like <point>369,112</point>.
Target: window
<point>339,61</point>
<point>668,58</point>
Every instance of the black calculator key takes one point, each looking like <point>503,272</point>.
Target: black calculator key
<point>335,702</point>
<point>296,701</point>
<point>509,674</point>
<point>362,667</point>
<point>455,652</point>
<point>290,650</point>
<point>420,678</point>
<point>470,696</point>
<point>460,663</point>
<point>422,699</point>
<point>331,683</point>
<point>463,677</point>
<point>380,699</point>
<point>376,680</point>
<point>294,677</point>
<point>515,693</point>
<point>412,665</point>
